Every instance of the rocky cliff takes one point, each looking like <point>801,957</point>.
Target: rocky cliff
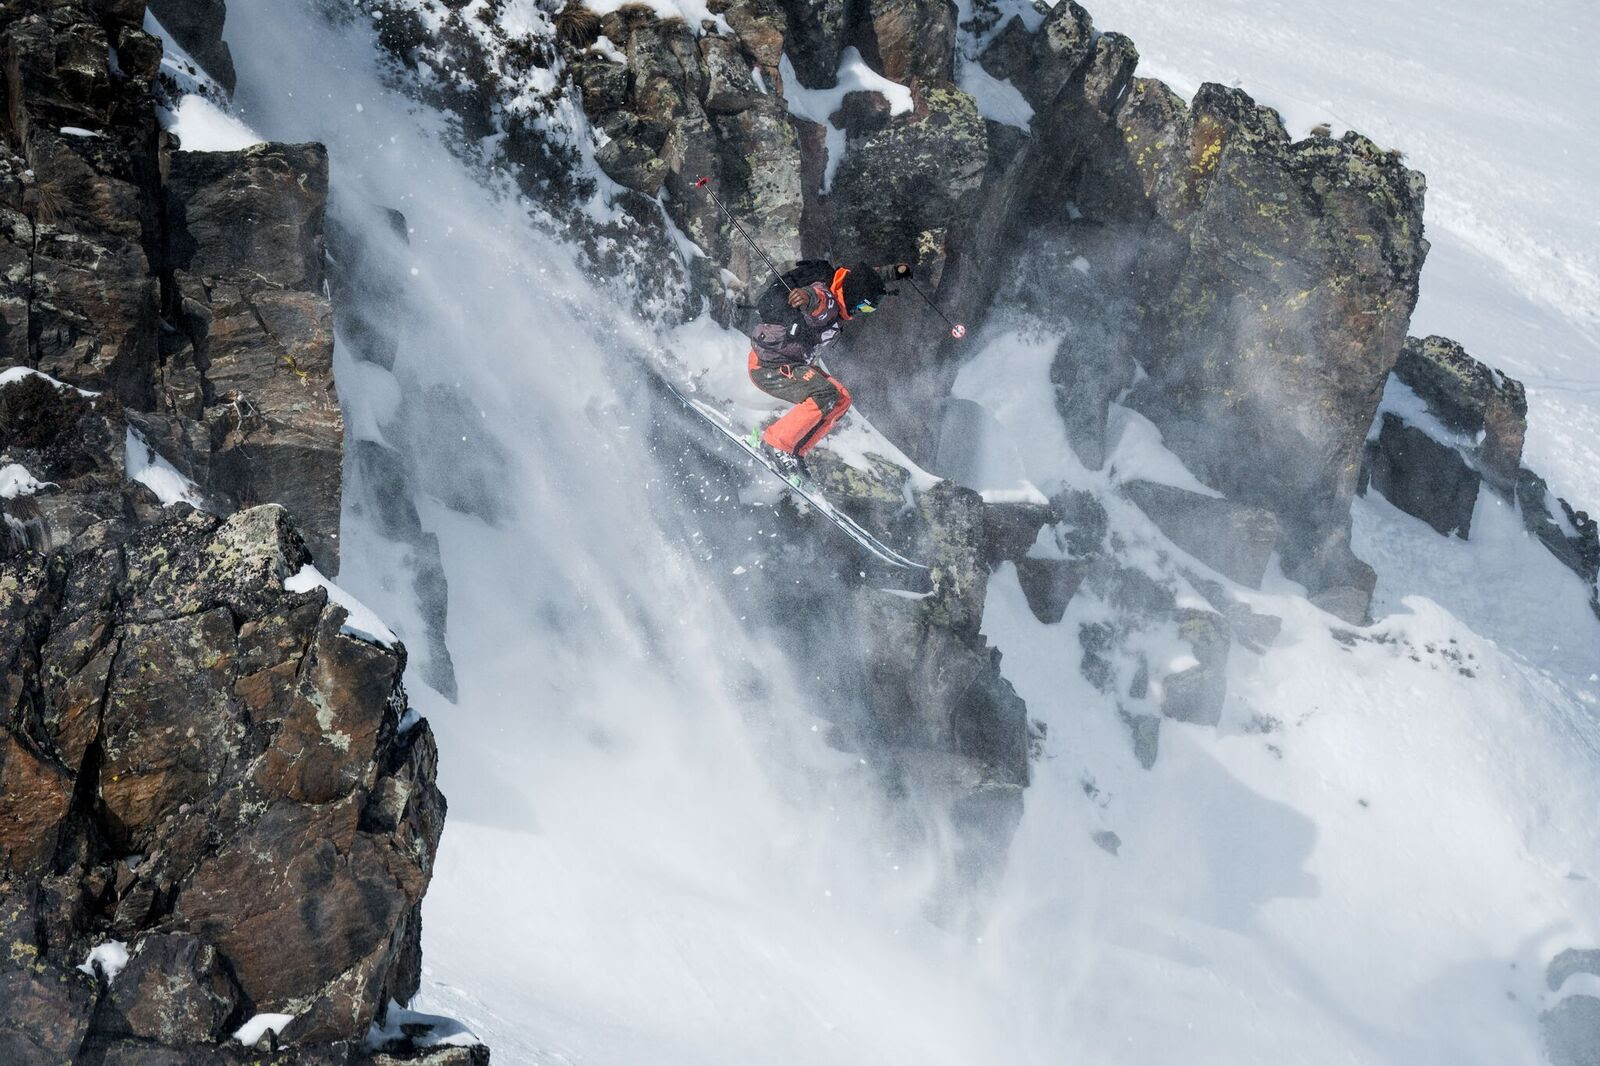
<point>214,807</point>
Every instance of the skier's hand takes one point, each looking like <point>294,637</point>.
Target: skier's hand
<point>800,299</point>
<point>902,271</point>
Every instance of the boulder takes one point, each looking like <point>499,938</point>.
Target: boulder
<point>1049,585</point>
<point>1144,730</point>
<point>1471,399</point>
<point>174,990</point>
<point>1086,378</point>
<point>1195,693</point>
<point>1234,539</point>
<point>1423,477</point>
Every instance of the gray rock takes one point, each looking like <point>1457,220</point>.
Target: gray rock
<point>1250,628</point>
<point>1087,377</point>
<point>1196,693</point>
<point>1236,540</point>
<point>814,39</point>
<point>1572,1031</point>
<point>1279,279</point>
<point>197,25</point>
<point>1423,477</point>
<point>1580,550</point>
<point>1469,398</point>
<point>1049,585</point>
<point>1108,841</point>
<point>1145,732</point>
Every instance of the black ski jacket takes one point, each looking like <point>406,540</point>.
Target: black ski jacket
<point>785,335</point>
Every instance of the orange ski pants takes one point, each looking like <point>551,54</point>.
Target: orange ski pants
<point>819,401</point>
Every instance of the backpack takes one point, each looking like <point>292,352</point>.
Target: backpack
<point>773,304</point>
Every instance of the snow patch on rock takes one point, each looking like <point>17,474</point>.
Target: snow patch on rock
<point>361,622</point>
<point>819,105</point>
<point>16,481</point>
<point>110,956</point>
<point>997,99</point>
<point>258,1026</point>
<point>13,374</point>
<point>145,465</point>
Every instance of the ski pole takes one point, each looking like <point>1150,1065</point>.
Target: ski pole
<point>705,184</point>
<point>957,330</point>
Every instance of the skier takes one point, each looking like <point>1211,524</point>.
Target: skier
<point>801,313</point>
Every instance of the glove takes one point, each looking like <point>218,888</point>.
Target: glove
<point>801,299</point>
<point>902,271</point>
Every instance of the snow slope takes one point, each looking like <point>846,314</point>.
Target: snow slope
<point>1372,858</point>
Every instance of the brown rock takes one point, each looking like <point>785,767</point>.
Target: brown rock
<point>174,990</point>
<point>47,1008</point>
<point>34,796</point>
<point>328,731</point>
<point>911,39</point>
<point>300,879</point>
<point>169,728</point>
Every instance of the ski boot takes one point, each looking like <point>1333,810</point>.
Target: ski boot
<point>790,467</point>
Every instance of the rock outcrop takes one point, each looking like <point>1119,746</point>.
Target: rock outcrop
<point>213,801</point>
<point>1262,284</point>
<point>1450,425</point>
<point>200,762</point>
<point>188,285</point>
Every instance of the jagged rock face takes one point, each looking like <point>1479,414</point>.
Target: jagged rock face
<point>189,285</point>
<point>195,761</point>
<point>77,228</point>
<point>1290,271</point>
<point>244,236</point>
<point>684,105</point>
<point>1267,301</point>
<point>207,767</point>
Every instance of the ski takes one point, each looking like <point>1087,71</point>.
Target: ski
<point>800,486</point>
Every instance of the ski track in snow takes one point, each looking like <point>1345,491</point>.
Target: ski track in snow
<point>653,857</point>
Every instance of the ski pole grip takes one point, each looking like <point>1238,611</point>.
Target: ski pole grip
<point>701,183</point>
